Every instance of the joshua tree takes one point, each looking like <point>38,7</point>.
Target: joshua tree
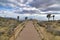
<point>49,16</point>
<point>26,18</point>
<point>53,17</point>
<point>18,17</point>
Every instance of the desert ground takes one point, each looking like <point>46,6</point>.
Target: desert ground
<point>32,30</point>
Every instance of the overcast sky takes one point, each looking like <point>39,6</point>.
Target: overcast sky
<point>13,8</point>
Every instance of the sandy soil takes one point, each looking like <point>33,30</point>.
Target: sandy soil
<point>28,33</point>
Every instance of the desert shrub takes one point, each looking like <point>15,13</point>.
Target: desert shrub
<point>1,33</point>
<point>58,21</point>
<point>49,28</point>
<point>3,37</point>
<point>56,32</point>
<point>12,26</point>
<point>0,24</point>
<point>7,27</point>
<point>41,24</point>
<point>52,30</point>
<point>57,24</point>
<point>10,32</point>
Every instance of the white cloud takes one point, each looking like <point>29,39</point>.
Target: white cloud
<point>55,5</point>
<point>22,5</point>
<point>29,8</point>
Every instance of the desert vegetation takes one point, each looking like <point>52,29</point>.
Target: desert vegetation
<point>51,28</point>
<point>7,26</point>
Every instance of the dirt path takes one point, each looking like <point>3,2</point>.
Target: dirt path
<point>29,32</point>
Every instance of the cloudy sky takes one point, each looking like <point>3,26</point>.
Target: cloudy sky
<point>31,8</point>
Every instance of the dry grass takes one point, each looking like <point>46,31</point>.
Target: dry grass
<point>55,27</point>
<point>7,27</point>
